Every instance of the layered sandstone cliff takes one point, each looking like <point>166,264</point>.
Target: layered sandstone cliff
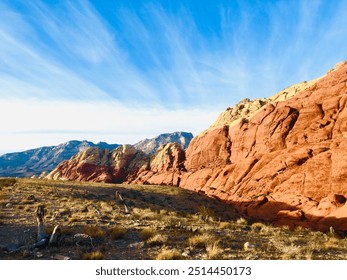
<point>286,163</point>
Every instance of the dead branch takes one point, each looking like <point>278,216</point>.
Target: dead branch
<point>97,211</point>
<point>55,235</point>
<point>126,207</point>
<point>41,229</point>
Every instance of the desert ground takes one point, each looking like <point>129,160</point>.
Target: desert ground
<point>160,222</point>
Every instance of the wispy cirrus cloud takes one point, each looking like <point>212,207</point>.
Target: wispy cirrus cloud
<point>29,70</point>
<point>71,52</point>
<point>179,62</point>
<point>154,55</point>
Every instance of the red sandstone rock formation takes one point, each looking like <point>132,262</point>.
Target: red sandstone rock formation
<point>97,165</point>
<point>125,164</point>
<point>287,163</point>
<point>165,166</point>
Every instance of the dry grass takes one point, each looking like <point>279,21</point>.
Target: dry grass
<point>147,233</point>
<point>224,225</point>
<point>158,239</point>
<point>207,212</point>
<point>308,255</point>
<point>73,220</point>
<point>290,252</point>
<point>144,214</point>
<point>161,216</point>
<point>94,231</point>
<point>241,221</point>
<point>97,255</point>
<point>169,254</point>
<point>258,226</point>
<point>201,240</point>
<point>117,232</point>
<point>6,182</point>
<point>263,229</point>
<point>332,243</point>
<point>214,251</point>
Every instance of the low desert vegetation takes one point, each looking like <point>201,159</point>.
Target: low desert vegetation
<point>97,255</point>
<point>117,232</point>
<point>201,240</point>
<point>147,233</point>
<point>169,254</point>
<point>163,223</point>
<point>94,231</point>
<point>214,251</point>
<point>157,240</point>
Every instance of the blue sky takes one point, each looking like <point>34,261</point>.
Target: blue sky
<point>120,71</point>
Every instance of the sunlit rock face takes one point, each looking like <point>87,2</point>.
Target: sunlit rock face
<point>282,159</point>
<point>100,165</point>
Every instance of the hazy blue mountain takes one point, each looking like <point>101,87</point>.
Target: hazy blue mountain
<point>35,161</point>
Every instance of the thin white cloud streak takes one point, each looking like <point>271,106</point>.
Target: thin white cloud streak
<point>94,52</point>
<point>303,40</point>
<point>77,30</point>
<point>27,73</point>
<point>84,63</point>
<point>188,73</point>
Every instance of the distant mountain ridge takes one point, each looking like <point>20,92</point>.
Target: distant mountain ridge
<point>34,162</point>
<point>44,159</point>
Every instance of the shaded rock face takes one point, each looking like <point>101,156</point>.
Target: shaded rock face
<point>286,163</point>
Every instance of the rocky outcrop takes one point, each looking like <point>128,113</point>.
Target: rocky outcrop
<point>125,164</point>
<point>282,161</point>
<point>129,163</point>
<point>165,167</point>
<point>100,165</point>
<point>247,108</point>
<point>36,161</point>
